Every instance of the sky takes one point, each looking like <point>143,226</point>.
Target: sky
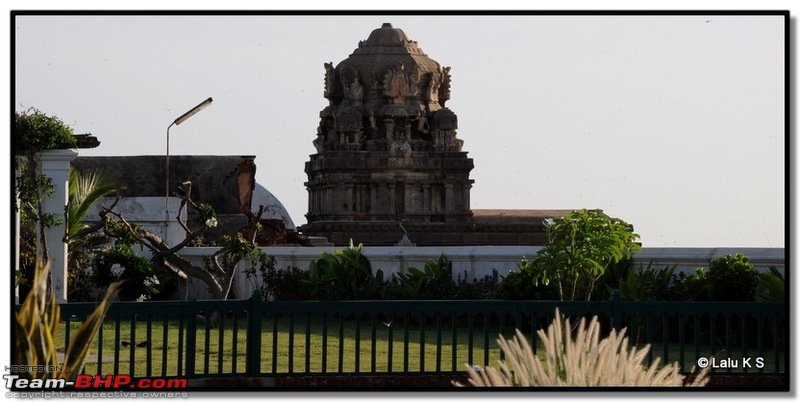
<point>673,123</point>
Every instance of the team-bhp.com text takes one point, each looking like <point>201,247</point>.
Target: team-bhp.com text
<point>120,386</point>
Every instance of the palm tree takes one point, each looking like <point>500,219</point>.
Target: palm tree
<point>85,190</point>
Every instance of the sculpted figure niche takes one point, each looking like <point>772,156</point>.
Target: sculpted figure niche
<point>400,84</point>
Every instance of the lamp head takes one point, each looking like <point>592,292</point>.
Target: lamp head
<point>204,104</point>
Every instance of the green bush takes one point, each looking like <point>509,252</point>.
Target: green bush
<point>434,281</point>
<point>733,278</point>
<point>276,284</point>
<point>141,281</point>
<point>771,287</point>
<point>522,285</point>
<point>581,248</point>
<point>344,275</point>
<point>648,283</point>
<point>728,278</point>
<point>694,287</point>
<point>477,289</point>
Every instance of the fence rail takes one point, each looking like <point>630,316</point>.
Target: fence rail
<point>252,337</point>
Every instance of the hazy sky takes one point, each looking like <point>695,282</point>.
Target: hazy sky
<point>675,124</point>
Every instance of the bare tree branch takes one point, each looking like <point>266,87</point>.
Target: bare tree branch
<point>219,276</point>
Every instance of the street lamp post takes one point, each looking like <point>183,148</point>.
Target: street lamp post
<point>204,104</point>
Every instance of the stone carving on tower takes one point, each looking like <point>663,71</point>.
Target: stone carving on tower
<point>386,146</point>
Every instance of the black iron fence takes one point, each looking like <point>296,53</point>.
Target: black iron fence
<point>253,337</point>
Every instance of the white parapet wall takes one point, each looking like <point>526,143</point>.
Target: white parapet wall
<point>477,261</point>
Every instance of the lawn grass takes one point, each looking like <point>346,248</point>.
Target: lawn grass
<point>363,345</point>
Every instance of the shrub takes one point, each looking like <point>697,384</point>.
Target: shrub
<point>694,287</point>
<point>733,278</point>
<point>771,287</point>
<point>434,281</point>
<point>343,275</point>
<point>478,289</point>
<point>522,285</point>
<point>580,360</point>
<point>276,284</point>
<point>142,281</point>
<point>648,283</point>
<point>580,248</point>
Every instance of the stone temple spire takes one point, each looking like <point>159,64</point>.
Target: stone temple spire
<point>386,146</point>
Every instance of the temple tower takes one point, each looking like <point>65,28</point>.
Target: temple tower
<point>387,158</point>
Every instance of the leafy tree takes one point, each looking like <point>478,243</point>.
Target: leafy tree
<point>33,133</point>
<point>579,249</point>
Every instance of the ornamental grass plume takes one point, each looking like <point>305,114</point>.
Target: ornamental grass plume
<point>36,327</point>
<point>582,360</point>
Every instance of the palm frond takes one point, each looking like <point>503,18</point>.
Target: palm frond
<point>86,189</point>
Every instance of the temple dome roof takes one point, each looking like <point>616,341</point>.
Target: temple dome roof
<point>386,48</point>
<point>388,39</point>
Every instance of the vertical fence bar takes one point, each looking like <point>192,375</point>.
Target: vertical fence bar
<point>164,344</point>
<point>776,344</point>
<point>235,344</point>
<point>422,317</point>
<point>470,338</point>
<point>275,315</point>
<point>454,329</point>
<point>502,318</point>
<point>221,343</point>
<point>99,348</point>
<point>207,341</point>
<point>149,351</point>
<point>681,341</point>
<point>253,352</point>
<point>308,342</point>
<point>696,336</point>
<point>712,333</point>
<point>191,340</point>
<point>438,341</point>
<point>132,347</point>
<point>324,342</point>
<point>67,331</point>
<point>728,336</point>
<point>486,318</point>
<point>760,336</point>
<point>357,319</point>
<point>406,319</point>
<point>665,335</point>
<point>341,342</point>
<point>390,355</point>
<point>291,342</point>
<point>373,352</point>
<point>534,330</point>
<point>650,337</point>
<point>616,310</point>
<point>181,356</point>
<point>745,319</point>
